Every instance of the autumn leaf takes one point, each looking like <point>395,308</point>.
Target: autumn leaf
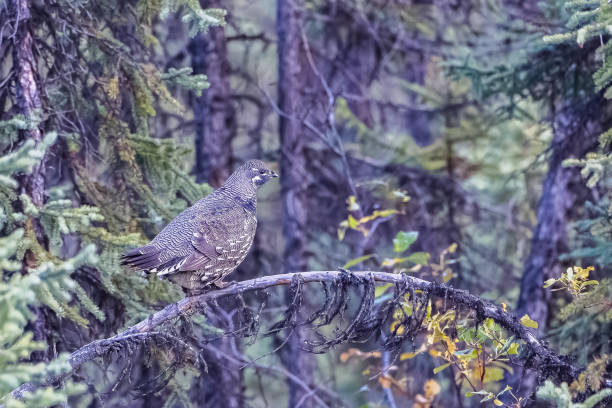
<point>440,368</point>
<point>385,381</point>
<point>513,350</point>
<point>431,388</point>
<point>407,356</point>
<point>400,329</point>
<point>528,322</point>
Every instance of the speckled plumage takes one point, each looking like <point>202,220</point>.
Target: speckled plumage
<point>210,239</point>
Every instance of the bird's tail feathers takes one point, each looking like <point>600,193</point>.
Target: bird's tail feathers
<point>145,258</point>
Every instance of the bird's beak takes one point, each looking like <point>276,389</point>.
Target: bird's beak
<point>273,173</point>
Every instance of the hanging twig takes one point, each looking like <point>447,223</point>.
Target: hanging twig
<point>541,358</point>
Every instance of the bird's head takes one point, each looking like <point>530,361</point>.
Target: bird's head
<point>257,172</point>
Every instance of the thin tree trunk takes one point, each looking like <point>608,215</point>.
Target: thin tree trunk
<point>215,129</point>
<point>293,176</point>
<point>213,111</point>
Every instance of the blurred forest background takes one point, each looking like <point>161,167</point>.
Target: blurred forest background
<point>464,142</point>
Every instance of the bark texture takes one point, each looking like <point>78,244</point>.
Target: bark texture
<point>541,358</point>
<point>29,105</point>
<point>563,193</point>
<point>291,80</point>
<point>213,111</point>
<point>28,94</point>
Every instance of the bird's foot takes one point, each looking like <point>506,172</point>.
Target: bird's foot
<point>195,291</point>
<point>223,285</point>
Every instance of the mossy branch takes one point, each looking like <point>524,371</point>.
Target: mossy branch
<point>540,357</point>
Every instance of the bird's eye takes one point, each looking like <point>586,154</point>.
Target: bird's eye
<point>262,172</point>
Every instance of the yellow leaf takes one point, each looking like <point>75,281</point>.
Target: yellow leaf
<point>391,262</point>
<point>342,230</point>
<point>400,328</point>
<point>452,248</point>
<point>352,203</point>
<point>385,381</point>
<point>452,347</point>
<point>352,222</point>
<point>407,356</point>
<point>349,353</point>
<point>504,306</point>
<point>431,388</point>
<point>498,402</point>
<point>527,322</point>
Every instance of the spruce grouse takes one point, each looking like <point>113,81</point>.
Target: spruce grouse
<point>210,239</point>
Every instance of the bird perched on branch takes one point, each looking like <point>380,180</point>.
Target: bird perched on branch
<point>210,239</point>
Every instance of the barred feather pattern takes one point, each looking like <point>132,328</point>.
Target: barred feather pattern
<point>210,239</point>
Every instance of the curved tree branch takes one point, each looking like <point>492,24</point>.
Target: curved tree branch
<point>541,358</point>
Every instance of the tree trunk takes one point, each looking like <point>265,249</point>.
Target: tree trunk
<point>28,96</point>
<point>293,176</point>
<point>563,192</point>
<point>213,111</point>
<point>29,105</point>
<point>215,129</point>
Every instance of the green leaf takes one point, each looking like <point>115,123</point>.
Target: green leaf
<point>513,349</point>
<point>493,374</point>
<point>506,389</point>
<point>356,261</point>
<point>527,322</point>
<point>440,368</point>
<point>506,346</point>
<point>379,290</point>
<point>419,258</point>
<point>467,354</point>
<point>488,397</point>
<point>472,393</point>
<point>549,282</point>
<point>403,240</point>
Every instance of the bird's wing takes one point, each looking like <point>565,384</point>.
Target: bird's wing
<point>215,235</point>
